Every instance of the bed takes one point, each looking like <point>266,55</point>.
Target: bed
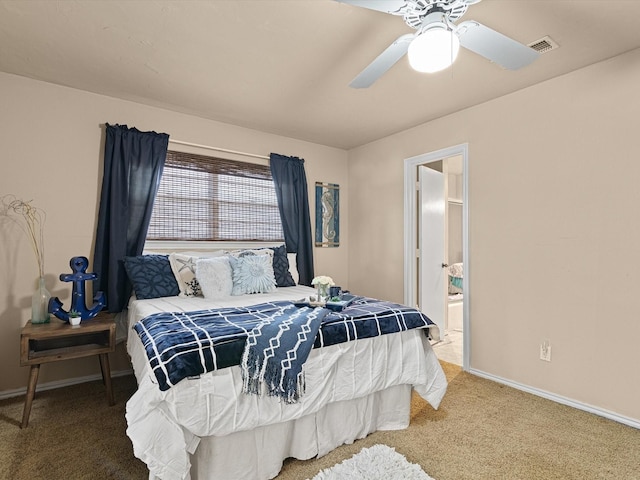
<point>456,275</point>
<point>455,304</point>
<point>196,428</point>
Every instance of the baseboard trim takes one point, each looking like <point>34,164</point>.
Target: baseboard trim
<point>62,383</point>
<point>560,399</point>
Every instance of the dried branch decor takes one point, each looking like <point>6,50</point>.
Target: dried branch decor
<point>31,220</point>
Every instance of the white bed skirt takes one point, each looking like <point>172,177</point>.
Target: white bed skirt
<point>265,448</point>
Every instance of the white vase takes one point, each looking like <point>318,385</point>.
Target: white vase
<point>40,303</point>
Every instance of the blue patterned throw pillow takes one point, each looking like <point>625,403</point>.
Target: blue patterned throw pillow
<point>281,267</point>
<point>151,276</point>
<point>252,274</point>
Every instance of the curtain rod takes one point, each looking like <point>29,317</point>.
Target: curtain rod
<point>218,149</point>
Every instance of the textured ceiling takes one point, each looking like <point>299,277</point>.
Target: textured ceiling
<point>283,66</point>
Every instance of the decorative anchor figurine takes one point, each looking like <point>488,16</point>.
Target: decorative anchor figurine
<point>78,277</point>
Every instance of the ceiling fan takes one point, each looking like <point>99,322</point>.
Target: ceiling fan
<point>435,44</point>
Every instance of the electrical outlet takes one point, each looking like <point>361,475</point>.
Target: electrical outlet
<point>545,351</point>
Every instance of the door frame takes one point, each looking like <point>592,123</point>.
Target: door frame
<point>411,233</point>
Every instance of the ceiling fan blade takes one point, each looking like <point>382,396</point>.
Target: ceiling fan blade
<point>495,46</point>
<point>387,6</point>
<point>383,62</point>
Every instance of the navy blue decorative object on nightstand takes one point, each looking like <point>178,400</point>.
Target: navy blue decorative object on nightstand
<point>78,277</point>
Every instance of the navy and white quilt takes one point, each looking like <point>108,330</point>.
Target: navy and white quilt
<point>180,345</point>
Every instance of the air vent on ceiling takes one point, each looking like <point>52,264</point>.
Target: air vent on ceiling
<point>544,45</point>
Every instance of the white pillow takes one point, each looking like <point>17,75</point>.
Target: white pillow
<point>252,274</point>
<point>215,277</point>
<point>184,269</point>
<point>293,266</point>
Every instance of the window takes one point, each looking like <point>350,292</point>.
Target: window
<point>203,198</point>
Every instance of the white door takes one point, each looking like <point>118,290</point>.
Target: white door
<point>432,276</point>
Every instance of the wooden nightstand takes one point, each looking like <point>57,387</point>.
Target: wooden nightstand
<point>55,341</point>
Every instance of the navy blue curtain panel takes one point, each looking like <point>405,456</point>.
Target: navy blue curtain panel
<point>290,181</point>
<point>133,164</point>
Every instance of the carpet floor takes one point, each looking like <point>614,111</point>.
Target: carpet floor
<point>483,430</point>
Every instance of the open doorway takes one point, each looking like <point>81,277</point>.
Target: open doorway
<point>436,247</point>
<point>440,257</point>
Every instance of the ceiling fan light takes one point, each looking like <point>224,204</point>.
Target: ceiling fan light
<point>433,50</point>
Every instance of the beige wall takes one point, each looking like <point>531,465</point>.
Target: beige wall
<point>52,144</point>
<point>554,230</point>
<point>454,219</point>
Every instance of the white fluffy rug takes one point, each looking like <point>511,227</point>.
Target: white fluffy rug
<point>379,462</point>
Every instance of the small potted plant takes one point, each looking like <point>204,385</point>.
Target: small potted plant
<point>74,318</point>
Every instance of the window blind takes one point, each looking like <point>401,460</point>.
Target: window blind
<point>204,198</point>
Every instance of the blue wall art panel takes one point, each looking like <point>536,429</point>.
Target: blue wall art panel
<point>327,215</point>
